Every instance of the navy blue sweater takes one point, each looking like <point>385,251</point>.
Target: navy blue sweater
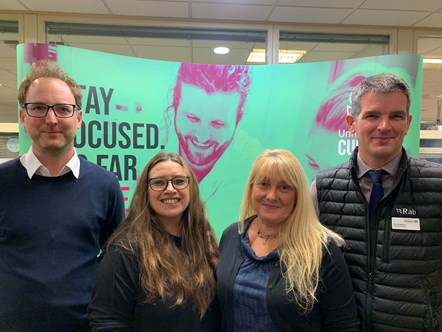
<point>51,230</point>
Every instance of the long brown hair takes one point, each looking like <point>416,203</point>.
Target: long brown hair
<point>186,274</point>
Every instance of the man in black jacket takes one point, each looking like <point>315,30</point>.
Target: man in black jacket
<point>392,222</point>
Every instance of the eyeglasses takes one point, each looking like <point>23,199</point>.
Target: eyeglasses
<point>41,110</point>
<point>160,184</point>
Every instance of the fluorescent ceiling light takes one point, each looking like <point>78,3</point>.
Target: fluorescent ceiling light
<point>285,56</point>
<point>426,60</point>
<point>221,50</point>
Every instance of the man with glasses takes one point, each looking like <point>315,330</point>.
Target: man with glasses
<point>56,211</point>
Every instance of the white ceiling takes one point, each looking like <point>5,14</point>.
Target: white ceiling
<point>402,13</point>
<point>414,13</point>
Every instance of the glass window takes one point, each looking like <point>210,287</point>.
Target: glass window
<point>171,44</point>
<point>8,146</point>
<point>431,149</point>
<point>8,72</point>
<point>312,47</point>
<point>431,50</point>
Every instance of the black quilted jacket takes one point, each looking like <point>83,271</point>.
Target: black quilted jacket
<point>396,274</point>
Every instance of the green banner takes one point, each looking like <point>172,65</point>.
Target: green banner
<point>132,109</point>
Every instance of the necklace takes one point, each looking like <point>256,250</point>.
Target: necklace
<point>266,237</point>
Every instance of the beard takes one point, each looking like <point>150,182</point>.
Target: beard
<point>53,146</point>
<point>201,157</point>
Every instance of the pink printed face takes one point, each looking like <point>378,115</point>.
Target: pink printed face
<point>380,127</point>
<point>205,124</point>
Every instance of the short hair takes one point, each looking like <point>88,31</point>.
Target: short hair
<point>214,78</point>
<point>50,69</point>
<point>380,83</point>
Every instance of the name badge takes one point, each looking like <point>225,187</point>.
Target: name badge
<point>406,224</point>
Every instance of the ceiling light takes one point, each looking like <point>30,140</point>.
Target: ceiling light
<point>221,50</point>
<point>427,60</point>
<point>285,56</point>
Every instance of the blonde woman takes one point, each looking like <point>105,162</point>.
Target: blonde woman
<point>280,269</point>
<point>158,270</point>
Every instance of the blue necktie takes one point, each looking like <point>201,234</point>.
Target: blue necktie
<point>377,192</point>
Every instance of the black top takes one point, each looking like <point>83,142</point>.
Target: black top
<point>118,302</point>
<point>334,311</point>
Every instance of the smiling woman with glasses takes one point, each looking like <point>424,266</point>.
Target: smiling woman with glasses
<point>160,184</point>
<point>160,264</point>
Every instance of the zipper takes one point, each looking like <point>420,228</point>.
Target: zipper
<point>371,249</point>
<point>387,236</point>
<point>369,302</point>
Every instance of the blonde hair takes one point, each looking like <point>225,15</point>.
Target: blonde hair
<point>188,273</point>
<point>303,237</point>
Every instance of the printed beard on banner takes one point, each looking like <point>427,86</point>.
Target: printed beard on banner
<point>218,117</point>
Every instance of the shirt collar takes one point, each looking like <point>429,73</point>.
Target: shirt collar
<point>391,167</point>
<point>34,166</point>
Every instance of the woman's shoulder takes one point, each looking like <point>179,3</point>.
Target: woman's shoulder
<point>229,234</point>
<point>332,257</point>
<point>332,248</point>
<point>120,250</point>
<point>231,229</point>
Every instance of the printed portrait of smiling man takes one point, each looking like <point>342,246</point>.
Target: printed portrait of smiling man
<point>208,104</point>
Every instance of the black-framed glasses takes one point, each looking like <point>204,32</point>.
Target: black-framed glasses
<point>160,184</point>
<point>38,110</point>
